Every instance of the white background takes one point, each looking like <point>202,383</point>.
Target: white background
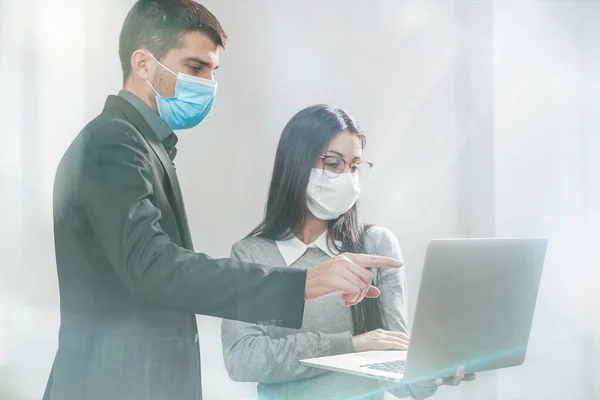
<point>482,117</point>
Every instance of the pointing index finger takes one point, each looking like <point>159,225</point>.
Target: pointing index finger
<point>368,260</point>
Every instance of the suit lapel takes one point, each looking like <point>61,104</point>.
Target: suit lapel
<point>144,128</point>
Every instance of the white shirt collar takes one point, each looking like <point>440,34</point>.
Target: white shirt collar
<point>293,248</point>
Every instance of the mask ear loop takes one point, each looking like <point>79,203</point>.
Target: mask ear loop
<point>151,87</point>
<point>162,65</point>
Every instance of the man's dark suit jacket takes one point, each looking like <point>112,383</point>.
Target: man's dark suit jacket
<point>130,283</point>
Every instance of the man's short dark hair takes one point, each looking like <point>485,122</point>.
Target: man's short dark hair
<point>158,26</point>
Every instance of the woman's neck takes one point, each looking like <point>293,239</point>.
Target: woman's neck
<point>312,229</point>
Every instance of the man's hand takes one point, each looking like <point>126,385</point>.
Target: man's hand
<point>347,274</point>
<point>380,339</point>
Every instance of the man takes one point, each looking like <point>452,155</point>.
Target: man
<point>129,280</point>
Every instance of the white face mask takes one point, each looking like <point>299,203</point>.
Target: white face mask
<point>328,198</point>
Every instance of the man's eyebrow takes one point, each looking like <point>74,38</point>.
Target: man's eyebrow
<point>200,61</point>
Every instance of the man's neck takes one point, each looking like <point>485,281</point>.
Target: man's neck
<point>136,90</point>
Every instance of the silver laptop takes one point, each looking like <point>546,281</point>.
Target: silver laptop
<point>475,308</point>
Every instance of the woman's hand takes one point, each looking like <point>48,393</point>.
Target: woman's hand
<point>459,377</point>
<point>424,390</point>
<point>380,340</point>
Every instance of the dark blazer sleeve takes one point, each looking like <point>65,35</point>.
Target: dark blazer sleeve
<point>117,178</point>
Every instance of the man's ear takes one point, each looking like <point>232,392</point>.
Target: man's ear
<point>142,64</point>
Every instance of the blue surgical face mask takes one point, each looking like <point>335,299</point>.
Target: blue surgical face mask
<point>193,100</point>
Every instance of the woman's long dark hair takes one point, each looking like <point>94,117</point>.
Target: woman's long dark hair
<point>304,138</point>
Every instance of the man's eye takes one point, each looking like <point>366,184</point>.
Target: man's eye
<point>196,69</point>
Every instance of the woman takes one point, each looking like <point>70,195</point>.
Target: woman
<point>312,214</point>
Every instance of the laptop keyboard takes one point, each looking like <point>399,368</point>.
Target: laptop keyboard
<point>396,366</point>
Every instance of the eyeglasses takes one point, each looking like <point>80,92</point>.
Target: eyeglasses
<point>334,166</point>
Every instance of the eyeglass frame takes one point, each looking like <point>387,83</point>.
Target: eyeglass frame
<point>324,156</point>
